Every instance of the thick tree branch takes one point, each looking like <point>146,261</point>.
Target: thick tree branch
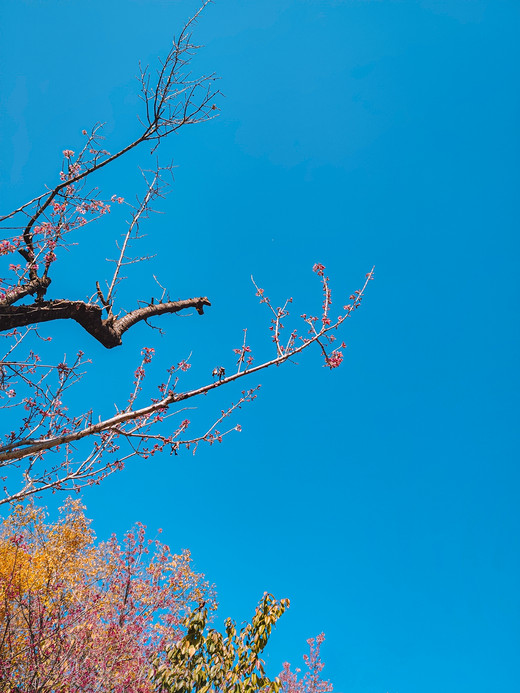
<point>39,286</point>
<point>146,312</point>
<point>108,332</point>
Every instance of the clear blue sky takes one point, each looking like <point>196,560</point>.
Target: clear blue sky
<point>382,497</point>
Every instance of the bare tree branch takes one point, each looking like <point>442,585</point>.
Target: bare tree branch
<point>172,101</point>
<point>45,451</point>
<point>107,331</point>
<point>38,285</point>
<point>136,423</point>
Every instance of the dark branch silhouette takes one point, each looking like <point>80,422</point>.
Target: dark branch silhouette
<point>89,315</point>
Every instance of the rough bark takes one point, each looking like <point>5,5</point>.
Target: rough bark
<point>38,285</point>
<point>107,331</point>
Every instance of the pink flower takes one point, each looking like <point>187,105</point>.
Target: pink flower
<point>6,247</point>
<point>67,153</point>
<point>58,208</point>
<point>147,354</point>
<point>334,360</point>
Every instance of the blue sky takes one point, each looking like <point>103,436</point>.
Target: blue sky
<point>382,497</point>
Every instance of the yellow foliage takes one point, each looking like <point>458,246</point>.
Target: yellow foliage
<point>15,568</point>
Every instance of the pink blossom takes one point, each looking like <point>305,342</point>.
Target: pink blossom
<point>334,359</point>
<point>67,153</point>
<point>58,208</point>
<point>6,247</point>
<point>146,353</point>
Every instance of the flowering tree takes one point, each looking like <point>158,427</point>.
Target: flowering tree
<point>36,235</point>
<point>77,615</point>
<point>311,681</point>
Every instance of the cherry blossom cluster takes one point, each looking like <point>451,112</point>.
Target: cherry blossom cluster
<point>311,681</point>
<point>244,354</point>
<point>320,328</point>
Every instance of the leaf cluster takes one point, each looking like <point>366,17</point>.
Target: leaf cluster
<point>205,660</point>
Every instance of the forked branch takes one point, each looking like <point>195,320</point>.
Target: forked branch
<point>89,315</point>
